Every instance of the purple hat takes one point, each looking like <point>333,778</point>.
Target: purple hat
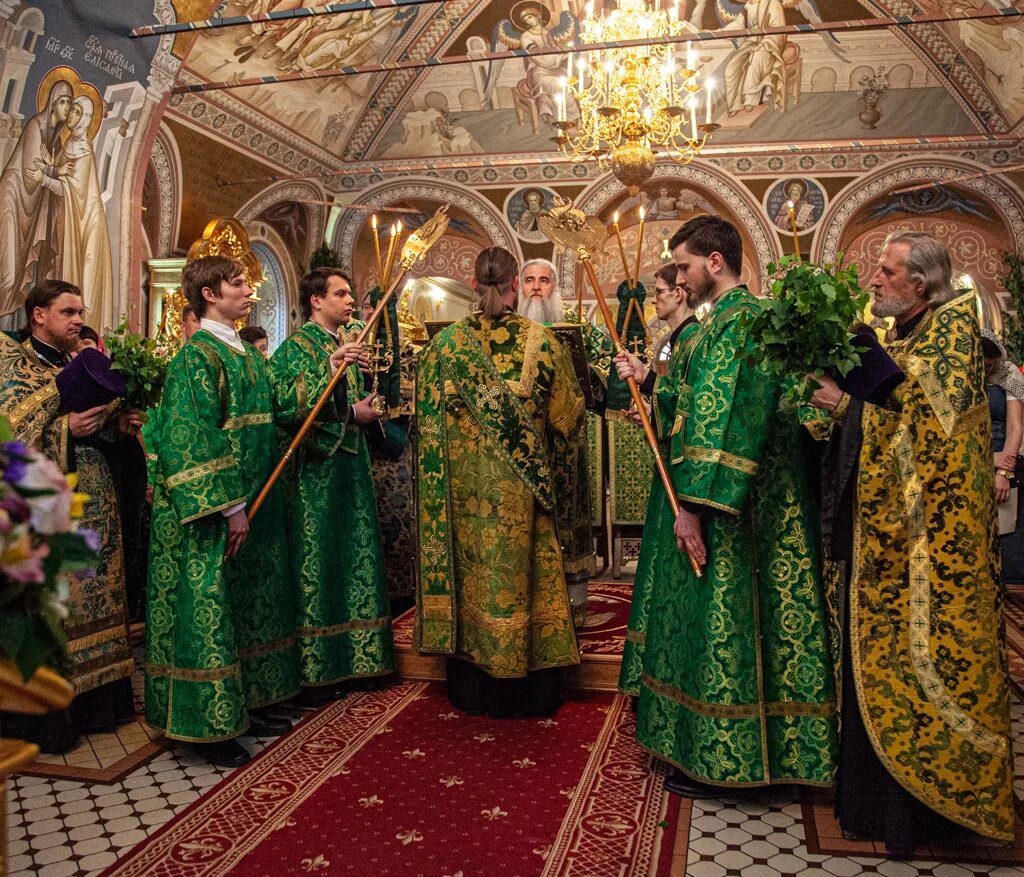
<point>89,381</point>
<point>876,376</point>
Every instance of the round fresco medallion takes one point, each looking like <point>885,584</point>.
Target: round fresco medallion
<point>524,207</point>
<point>808,200</point>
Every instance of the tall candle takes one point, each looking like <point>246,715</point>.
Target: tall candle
<point>693,118</point>
<point>568,61</point>
<point>376,246</point>
<point>622,249</point>
<point>689,55</point>
<point>709,87</point>
<point>639,245</point>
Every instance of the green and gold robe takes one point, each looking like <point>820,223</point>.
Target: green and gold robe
<point>737,684</point>
<point>492,588</point>
<point>99,651</point>
<point>344,624</point>
<point>220,634</point>
<point>659,554</point>
<point>570,467</point>
<point>926,610</point>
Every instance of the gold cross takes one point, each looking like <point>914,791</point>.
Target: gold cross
<point>489,398</point>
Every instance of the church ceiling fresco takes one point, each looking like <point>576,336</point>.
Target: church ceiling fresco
<point>947,78</point>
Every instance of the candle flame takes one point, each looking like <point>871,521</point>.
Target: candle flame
<point>374,220</point>
<point>615,218</point>
<point>790,205</point>
<point>641,214</point>
<point>399,226</point>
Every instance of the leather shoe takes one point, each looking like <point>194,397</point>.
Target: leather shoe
<point>315,696</point>
<point>680,784</point>
<point>223,753</point>
<point>266,725</point>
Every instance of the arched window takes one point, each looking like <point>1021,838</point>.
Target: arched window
<point>271,311</point>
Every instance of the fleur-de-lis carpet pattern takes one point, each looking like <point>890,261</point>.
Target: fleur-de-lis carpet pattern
<point>392,783</point>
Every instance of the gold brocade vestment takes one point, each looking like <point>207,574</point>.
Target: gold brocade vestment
<point>926,613</point>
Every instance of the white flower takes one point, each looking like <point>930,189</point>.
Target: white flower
<point>50,513</point>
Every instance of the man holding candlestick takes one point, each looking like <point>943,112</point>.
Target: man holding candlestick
<point>344,627</point>
<point>735,677</point>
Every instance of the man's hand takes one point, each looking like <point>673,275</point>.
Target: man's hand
<point>129,422</point>
<point>85,423</point>
<point>827,395</point>
<point>348,354</point>
<point>689,537</point>
<point>628,366</point>
<point>1006,460</point>
<point>238,530</point>
<point>1002,489</point>
<point>363,412</point>
<point>633,414</point>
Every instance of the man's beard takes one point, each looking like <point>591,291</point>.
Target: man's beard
<point>540,310</point>
<point>700,292</point>
<point>893,307</point>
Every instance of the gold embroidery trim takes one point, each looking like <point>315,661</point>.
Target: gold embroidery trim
<point>839,412</point>
<point>344,627</point>
<point>91,640</point>
<point>535,335</point>
<point>248,420</point>
<point>186,674</point>
<point>206,512</point>
<point>920,602</point>
<point>32,401</point>
<point>723,458</point>
<point>971,419</point>
<point>636,636</point>
<point>739,710</point>
<point>710,503</point>
<point>197,472</point>
<point>263,649</point>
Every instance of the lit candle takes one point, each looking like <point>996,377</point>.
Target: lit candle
<point>376,246</point>
<point>790,207</point>
<point>607,83</point>
<point>689,55</point>
<point>639,245</point>
<point>395,231</point>
<point>622,249</point>
<point>693,117</point>
<point>709,87</point>
<point>560,100</point>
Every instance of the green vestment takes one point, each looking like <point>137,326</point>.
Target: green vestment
<point>220,634</point>
<point>737,684</point>
<point>344,625</point>
<point>491,587</point>
<point>659,554</point>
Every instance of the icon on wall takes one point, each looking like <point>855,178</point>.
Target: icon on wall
<point>524,207</point>
<point>808,203</point>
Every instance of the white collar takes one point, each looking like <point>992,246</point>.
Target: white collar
<point>229,335</point>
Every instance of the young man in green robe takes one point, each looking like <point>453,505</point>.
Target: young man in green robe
<point>658,552</point>
<point>491,388</point>
<point>344,625</point>
<point>736,687</point>
<point>220,614</point>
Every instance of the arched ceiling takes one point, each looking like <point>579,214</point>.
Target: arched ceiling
<point>948,79</point>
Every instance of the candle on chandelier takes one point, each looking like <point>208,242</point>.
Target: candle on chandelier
<point>568,61</point>
<point>689,55</point>
<point>560,100</point>
<point>791,209</point>
<point>709,87</point>
<point>607,83</point>
<point>693,118</point>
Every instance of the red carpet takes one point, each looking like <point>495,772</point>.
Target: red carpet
<point>396,782</point>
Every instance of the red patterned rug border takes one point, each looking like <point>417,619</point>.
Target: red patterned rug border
<point>156,850</point>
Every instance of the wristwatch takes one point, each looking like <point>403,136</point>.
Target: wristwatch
<point>1005,473</point>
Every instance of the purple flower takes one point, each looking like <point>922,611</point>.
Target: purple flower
<point>14,471</point>
<point>17,508</point>
<point>91,537</point>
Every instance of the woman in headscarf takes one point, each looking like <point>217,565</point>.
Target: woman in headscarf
<point>1005,388</point>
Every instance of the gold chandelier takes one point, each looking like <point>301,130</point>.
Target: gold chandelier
<point>633,100</point>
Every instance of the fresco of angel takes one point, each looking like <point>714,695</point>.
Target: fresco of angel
<point>757,68</point>
<point>528,27</point>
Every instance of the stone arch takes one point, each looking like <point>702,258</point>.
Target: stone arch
<point>166,161</point>
<point>901,76</point>
<point>277,311</point>
<point>1003,196</point>
<point>713,180</point>
<point>382,194</point>
<point>309,194</point>
<point>824,79</point>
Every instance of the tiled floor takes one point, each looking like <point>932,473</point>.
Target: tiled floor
<point>63,828</point>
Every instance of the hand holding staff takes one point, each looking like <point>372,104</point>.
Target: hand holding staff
<point>568,227</point>
<point>413,250</point>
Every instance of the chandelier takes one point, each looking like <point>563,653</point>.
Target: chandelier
<point>633,101</point>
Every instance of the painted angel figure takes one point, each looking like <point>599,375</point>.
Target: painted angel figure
<point>527,27</point>
<point>757,67</point>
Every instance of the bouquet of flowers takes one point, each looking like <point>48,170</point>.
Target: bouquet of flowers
<point>40,545</point>
<point>804,329</point>
<point>143,362</point>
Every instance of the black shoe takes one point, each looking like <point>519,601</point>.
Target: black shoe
<point>224,753</point>
<point>680,784</point>
<point>265,725</point>
<point>318,695</point>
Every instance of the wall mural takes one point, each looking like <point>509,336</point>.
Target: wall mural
<point>524,207</point>
<point>808,201</point>
<point>72,86</point>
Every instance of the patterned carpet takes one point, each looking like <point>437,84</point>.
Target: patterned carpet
<point>396,782</point>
